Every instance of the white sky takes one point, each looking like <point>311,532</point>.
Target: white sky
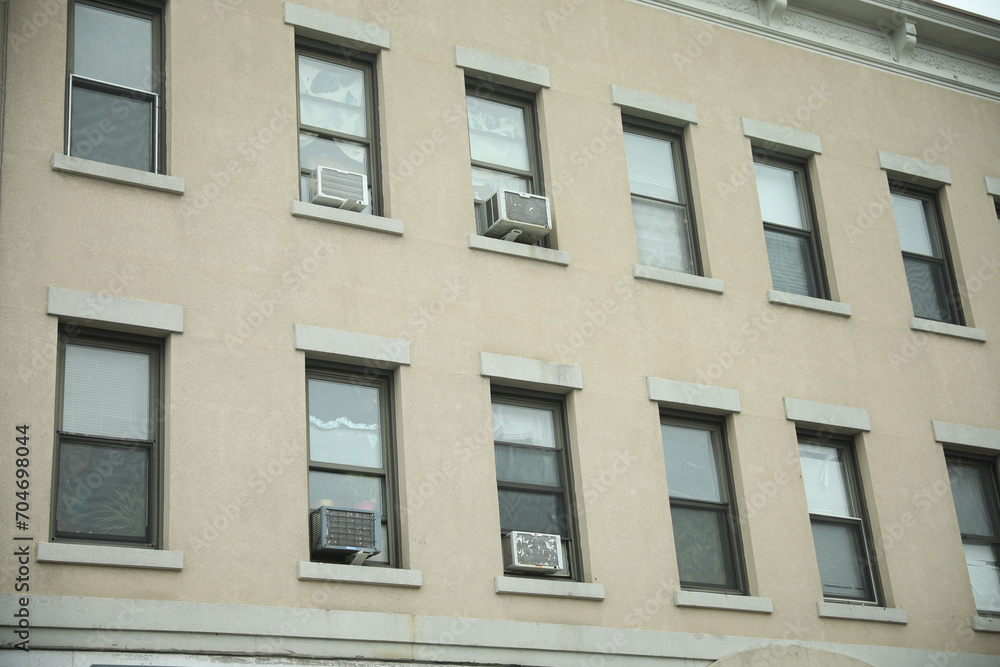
<point>988,8</point>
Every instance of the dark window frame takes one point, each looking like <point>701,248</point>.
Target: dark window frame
<point>989,463</point>
<point>723,461</point>
<point>384,382</point>
<point>804,189</point>
<point>856,495</point>
<point>675,135</point>
<point>556,403</point>
<point>528,103</point>
<point>113,340</point>
<point>147,9</point>
<point>367,63</point>
<point>935,220</point>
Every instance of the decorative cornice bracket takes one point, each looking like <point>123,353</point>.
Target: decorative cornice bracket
<point>772,12</point>
<point>902,40</point>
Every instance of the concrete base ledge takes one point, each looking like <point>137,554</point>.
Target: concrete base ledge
<point>945,329</point>
<point>677,278</point>
<point>84,630</point>
<point>809,303</point>
<point>860,612</point>
<point>94,554</point>
<point>116,174</point>
<point>723,601</point>
<point>488,244</point>
<point>359,574</point>
<point>549,588</point>
<point>375,223</point>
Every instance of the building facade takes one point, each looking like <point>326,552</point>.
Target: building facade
<point>734,383</point>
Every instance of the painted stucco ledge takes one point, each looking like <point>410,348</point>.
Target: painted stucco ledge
<point>945,329</point>
<point>986,624</point>
<point>93,554</point>
<point>560,257</point>
<point>301,209</point>
<point>809,303</point>
<point>708,600</point>
<point>112,172</point>
<point>860,612</point>
<point>549,588</point>
<point>358,574</point>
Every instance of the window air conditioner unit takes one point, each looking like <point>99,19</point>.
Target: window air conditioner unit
<point>338,188</point>
<point>518,216</point>
<point>352,534</point>
<point>532,552</point>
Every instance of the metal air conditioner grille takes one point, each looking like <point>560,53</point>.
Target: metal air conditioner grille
<point>530,210</point>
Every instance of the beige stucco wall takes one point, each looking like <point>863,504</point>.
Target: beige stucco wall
<point>245,271</point>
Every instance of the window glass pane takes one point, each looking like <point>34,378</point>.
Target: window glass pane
<point>651,167</point>
<point>913,226</point>
<point>103,490</point>
<point>485,182</point>
<point>843,565</point>
<point>113,47</point>
<point>790,257</point>
<point>111,129</point>
<point>984,573</point>
<point>345,490</point>
<point>928,291</point>
<point>780,201</point>
<point>528,426</point>
<point>315,152</point>
<point>106,393</point>
<point>527,466</point>
<point>532,512</point>
<point>824,472</point>
<point>344,424</point>
<point>496,133</point>
<point>690,456</point>
<point>332,97</point>
<point>975,501</point>
<point>662,235</point>
<point>704,554</point>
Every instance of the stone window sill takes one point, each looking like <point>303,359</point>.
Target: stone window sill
<point>301,209</point>
<point>809,303</point>
<point>112,172</point>
<point>93,554</point>
<point>477,242</point>
<point>708,600</point>
<point>860,612</point>
<point>945,329</point>
<point>549,588</point>
<point>359,574</point>
<point>677,278</point>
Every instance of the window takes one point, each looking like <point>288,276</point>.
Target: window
<point>503,143</point>
<point>664,228</point>
<point>925,254</point>
<point>116,84</point>
<point>351,453</point>
<point>844,551</point>
<point>706,524</point>
<point>974,488</point>
<point>337,126</point>
<point>789,231</point>
<point>108,439</point>
<point>533,481</point>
